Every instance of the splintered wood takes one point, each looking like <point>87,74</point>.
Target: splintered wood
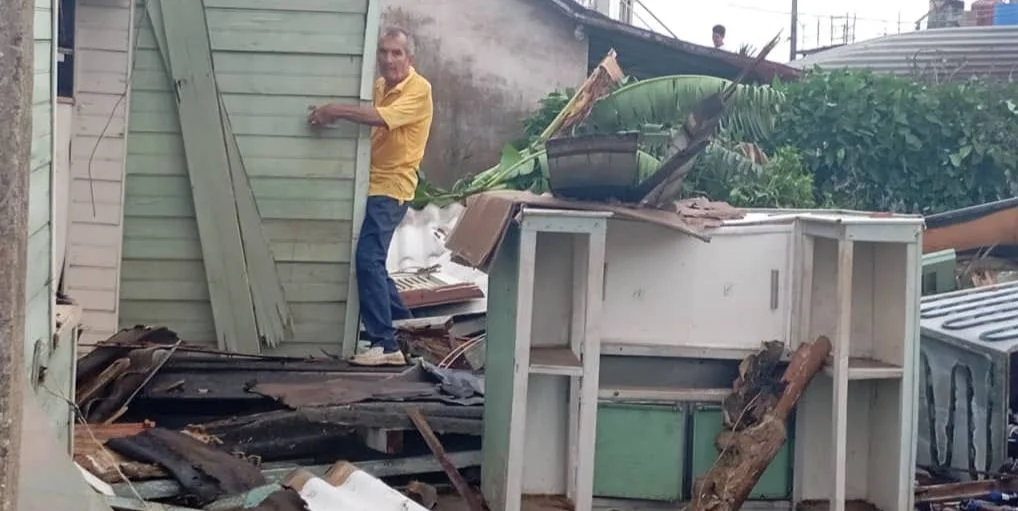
<point>755,416</point>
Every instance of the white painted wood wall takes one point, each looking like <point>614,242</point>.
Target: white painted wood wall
<point>102,64</point>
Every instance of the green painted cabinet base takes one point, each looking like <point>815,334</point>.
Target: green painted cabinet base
<point>776,481</point>
<point>640,452</point>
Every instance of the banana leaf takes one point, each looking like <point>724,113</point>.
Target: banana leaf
<point>750,112</point>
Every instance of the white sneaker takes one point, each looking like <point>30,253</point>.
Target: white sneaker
<point>376,356</point>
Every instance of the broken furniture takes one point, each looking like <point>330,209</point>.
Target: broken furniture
<point>677,316</point>
<point>966,379</point>
<point>857,281</point>
<point>542,359</point>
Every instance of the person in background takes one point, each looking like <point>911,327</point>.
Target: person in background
<point>718,36</point>
<point>400,121</point>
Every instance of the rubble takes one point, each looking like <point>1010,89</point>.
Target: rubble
<point>174,426</point>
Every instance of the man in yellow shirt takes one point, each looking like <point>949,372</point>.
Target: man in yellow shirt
<point>400,122</point>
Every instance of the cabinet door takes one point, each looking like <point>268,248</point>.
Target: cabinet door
<point>640,452</point>
<point>664,288</point>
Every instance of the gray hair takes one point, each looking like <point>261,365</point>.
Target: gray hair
<point>411,47</point>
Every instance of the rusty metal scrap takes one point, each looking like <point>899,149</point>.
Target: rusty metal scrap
<point>428,288</point>
<point>313,432</point>
<point>207,376</point>
<point>456,342</point>
<point>104,398</point>
<point>341,391</point>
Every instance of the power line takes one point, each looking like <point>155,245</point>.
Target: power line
<point>808,15</point>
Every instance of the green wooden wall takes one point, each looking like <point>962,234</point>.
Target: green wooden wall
<point>272,61</point>
<point>39,281</point>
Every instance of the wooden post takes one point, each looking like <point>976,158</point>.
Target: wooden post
<point>473,501</point>
<point>16,78</point>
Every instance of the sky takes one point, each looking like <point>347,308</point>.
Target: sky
<point>755,22</point>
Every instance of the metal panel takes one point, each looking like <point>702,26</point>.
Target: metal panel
<point>776,481</point>
<point>963,395</point>
<point>640,452</point>
<point>986,317</point>
<point>968,339</point>
<point>949,53</point>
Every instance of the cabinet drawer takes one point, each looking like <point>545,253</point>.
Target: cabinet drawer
<point>776,481</point>
<point>640,452</point>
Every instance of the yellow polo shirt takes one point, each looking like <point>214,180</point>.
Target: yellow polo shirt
<point>398,148</point>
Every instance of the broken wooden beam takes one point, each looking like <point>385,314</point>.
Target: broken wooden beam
<point>166,488</point>
<point>469,495</point>
<point>755,423</point>
<point>965,490</point>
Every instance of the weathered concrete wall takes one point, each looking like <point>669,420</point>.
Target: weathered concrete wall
<point>489,62</point>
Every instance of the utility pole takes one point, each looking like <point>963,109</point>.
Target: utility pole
<point>16,57</point>
<point>794,34</point>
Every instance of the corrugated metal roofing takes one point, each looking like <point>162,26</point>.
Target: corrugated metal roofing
<point>944,53</point>
<point>419,243</point>
<point>984,316</point>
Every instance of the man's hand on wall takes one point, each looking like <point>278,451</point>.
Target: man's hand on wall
<point>322,115</point>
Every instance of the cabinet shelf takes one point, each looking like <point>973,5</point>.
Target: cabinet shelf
<point>861,368</point>
<point>555,362</point>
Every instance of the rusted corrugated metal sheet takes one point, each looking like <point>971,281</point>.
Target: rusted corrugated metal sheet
<point>431,289</point>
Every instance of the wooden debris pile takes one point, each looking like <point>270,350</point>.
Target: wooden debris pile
<point>164,421</point>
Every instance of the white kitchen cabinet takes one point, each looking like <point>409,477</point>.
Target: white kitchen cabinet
<point>669,294</point>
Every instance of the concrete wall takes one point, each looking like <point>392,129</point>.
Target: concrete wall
<point>102,57</point>
<point>489,62</point>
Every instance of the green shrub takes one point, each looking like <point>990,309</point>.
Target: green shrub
<point>889,143</point>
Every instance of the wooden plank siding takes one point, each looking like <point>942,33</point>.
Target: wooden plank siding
<point>39,291</point>
<point>102,60</point>
<point>270,65</point>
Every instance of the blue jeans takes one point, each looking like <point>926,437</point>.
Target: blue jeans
<point>379,300</point>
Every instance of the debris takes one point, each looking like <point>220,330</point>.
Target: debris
<point>342,391</point>
<point>166,488</point>
<point>755,417</point>
<point>451,341</point>
<point>104,398</point>
<point>345,487</point>
<point>230,426</point>
<point>91,454</point>
<point>148,377</point>
<point>484,223</point>
<point>289,434</point>
<point>205,471</point>
<point>129,504</point>
<point>663,187</point>
<point>598,85</point>
<point>958,492</point>
<point>96,483</point>
<point>270,497</point>
<point>430,288</point>
<point>469,495</point>
<point>423,494</point>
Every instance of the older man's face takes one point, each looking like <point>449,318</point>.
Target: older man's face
<point>393,58</point>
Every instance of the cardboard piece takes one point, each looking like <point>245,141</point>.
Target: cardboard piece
<point>479,232</point>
